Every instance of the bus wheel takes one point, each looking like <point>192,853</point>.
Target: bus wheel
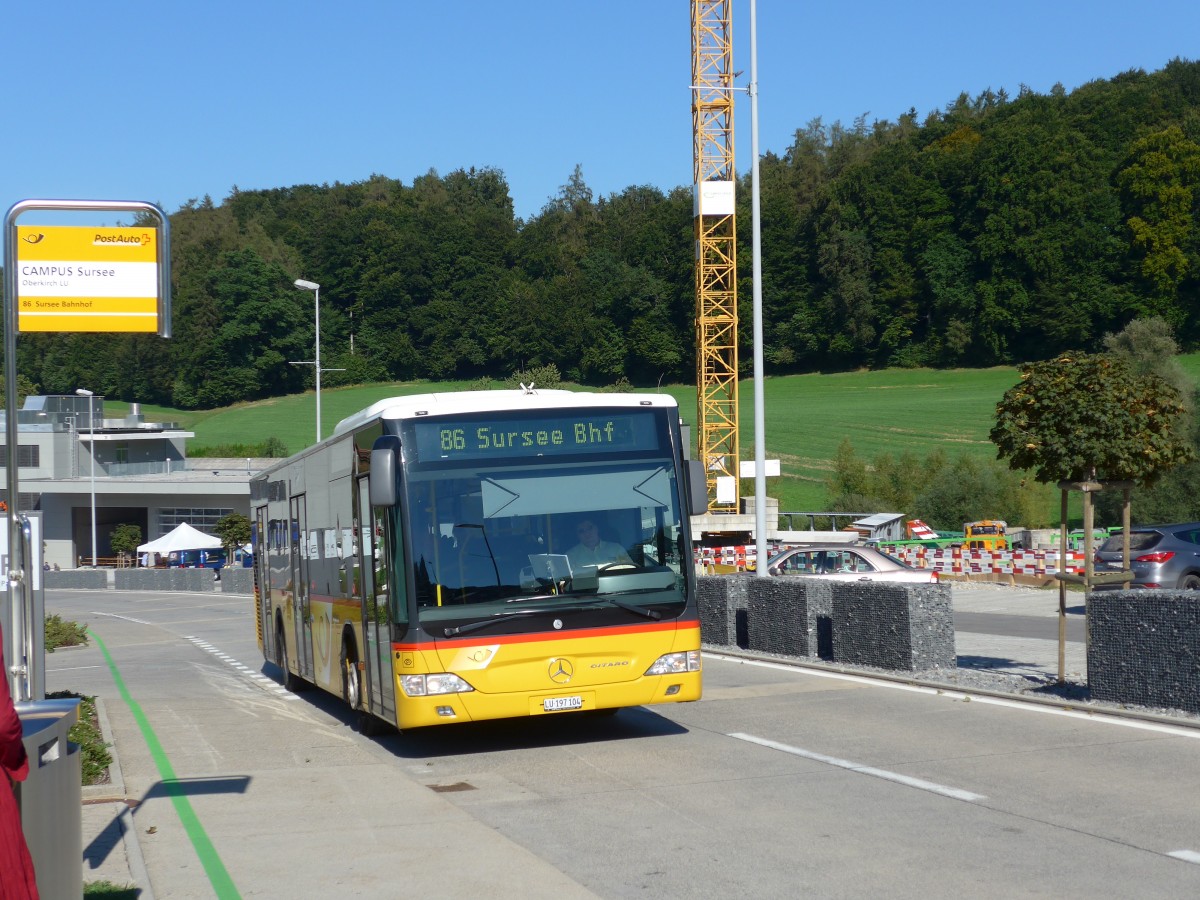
<point>351,680</point>
<point>290,681</point>
<point>368,725</point>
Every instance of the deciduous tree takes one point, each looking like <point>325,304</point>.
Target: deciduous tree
<point>1088,417</point>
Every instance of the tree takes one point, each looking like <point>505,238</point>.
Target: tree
<point>124,539</point>
<point>971,488</point>
<point>849,478</point>
<point>1088,417</point>
<point>234,531</point>
<point>1159,182</point>
<point>1149,346</point>
<point>25,387</point>
<point>274,448</point>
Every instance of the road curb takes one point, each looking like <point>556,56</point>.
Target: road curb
<point>1094,708</point>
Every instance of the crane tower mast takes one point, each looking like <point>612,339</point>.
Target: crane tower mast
<point>716,247</point>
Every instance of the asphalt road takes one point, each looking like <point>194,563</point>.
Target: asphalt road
<point>779,783</point>
<point>1036,627</point>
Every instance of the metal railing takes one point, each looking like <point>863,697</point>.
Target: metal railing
<point>813,517</point>
<point>107,562</point>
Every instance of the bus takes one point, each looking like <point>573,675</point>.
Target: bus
<point>988,534</point>
<point>423,561</point>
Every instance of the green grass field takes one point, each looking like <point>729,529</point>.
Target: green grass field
<point>892,411</point>
<point>807,417</point>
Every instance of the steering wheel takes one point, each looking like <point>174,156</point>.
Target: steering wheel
<point>615,567</point>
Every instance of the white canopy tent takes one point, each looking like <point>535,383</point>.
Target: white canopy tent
<point>184,537</point>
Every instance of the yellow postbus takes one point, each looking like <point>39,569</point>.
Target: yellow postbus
<point>988,534</point>
<point>464,556</point>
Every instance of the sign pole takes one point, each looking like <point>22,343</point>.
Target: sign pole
<point>16,565</point>
<point>14,630</point>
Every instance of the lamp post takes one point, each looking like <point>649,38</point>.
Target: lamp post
<point>760,418</point>
<point>84,392</point>
<point>315,362</point>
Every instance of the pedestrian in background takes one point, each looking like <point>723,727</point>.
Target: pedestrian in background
<point>17,878</point>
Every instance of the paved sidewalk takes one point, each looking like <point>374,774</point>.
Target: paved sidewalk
<point>111,852</point>
<point>1029,657</point>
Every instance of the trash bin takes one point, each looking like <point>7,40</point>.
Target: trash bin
<point>51,798</point>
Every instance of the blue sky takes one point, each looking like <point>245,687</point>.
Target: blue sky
<point>165,102</point>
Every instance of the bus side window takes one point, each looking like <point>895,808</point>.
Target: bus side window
<point>378,564</point>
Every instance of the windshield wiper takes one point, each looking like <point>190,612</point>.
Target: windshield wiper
<point>625,605</point>
<point>533,597</point>
<point>484,623</point>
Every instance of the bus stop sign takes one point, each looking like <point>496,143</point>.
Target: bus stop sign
<point>79,278</point>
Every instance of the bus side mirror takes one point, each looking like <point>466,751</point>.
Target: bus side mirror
<point>697,488</point>
<point>383,478</point>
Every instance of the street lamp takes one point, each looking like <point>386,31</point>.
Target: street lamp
<point>84,392</point>
<point>315,362</point>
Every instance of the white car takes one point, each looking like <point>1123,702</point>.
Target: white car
<point>846,562</point>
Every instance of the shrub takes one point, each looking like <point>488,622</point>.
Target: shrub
<point>621,386</point>
<point>63,634</point>
<point>271,448</point>
<point>546,377</point>
<point>94,754</point>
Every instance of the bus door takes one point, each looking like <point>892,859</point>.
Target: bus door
<point>302,615</point>
<point>379,688</point>
<point>262,584</point>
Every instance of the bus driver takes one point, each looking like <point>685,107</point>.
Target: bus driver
<point>591,551</point>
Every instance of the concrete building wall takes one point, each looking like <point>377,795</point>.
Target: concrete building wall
<point>140,470</point>
<point>67,517</point>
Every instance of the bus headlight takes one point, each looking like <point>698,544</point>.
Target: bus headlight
<point>438,683</point>
<point>674,663</point>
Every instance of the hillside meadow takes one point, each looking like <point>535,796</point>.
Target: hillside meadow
<point>807,417</point>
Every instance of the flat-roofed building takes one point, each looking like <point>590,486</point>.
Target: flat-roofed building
<point>142,476</point>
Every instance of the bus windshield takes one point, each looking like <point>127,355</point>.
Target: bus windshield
<point>493,534</point>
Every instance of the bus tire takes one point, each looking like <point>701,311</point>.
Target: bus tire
<point>290,682</point>
<point>368,725</point>
<point>351,676</point>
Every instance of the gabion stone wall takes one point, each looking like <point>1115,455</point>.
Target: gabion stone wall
<point>1144,648</point>
<point>236,581</point>
<point>790,617</point>
<point>721,600</point>
<point>909,627</point>
<point>164,579</point>
<point>77,579</point>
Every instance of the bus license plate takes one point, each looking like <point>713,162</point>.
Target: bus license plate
<point>554,704</point>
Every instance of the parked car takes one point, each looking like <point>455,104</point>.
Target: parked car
<point>845,562</point>
<point>1163,556</point>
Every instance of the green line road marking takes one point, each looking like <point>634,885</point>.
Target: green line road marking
<point>218,877</point>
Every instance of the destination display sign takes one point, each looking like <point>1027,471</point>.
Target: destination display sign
<point>544,435</point>
<point>80,278</point>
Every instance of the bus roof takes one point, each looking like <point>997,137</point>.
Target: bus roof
<point>451,402</point>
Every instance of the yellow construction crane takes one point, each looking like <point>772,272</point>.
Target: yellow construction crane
<point>716,248</point>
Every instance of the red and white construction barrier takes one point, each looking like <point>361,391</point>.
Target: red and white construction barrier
<point>957,561</point>
<point>948,560</point>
